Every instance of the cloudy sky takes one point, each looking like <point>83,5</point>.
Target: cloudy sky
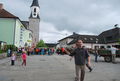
<point>60,18</point>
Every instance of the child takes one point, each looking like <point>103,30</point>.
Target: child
<point>24,57</point>
<point>13,57</point>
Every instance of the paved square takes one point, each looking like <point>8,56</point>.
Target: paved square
<point>56,68</point>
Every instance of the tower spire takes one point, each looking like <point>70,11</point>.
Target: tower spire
<point>35,3</point>
<point>35,8</point>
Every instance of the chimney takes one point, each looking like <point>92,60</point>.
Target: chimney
<point>74,33</point>
<point>1,6</point>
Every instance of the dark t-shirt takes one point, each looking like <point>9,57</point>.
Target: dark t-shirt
<point>80,55</point>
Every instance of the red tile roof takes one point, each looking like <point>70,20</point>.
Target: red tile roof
<point>6,14</point>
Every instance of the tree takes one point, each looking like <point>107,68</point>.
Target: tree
<point>41,44</point>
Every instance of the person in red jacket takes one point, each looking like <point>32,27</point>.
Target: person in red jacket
<point>24,57</point>
<point>62,50</point>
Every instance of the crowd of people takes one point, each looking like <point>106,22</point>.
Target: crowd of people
<point>33,51</point>
<point>23,52</point>
<point>38,51</point>
<point>61,51</point>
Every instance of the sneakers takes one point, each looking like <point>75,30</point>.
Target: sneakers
<point>91,70</point>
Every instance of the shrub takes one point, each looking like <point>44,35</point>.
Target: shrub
<point>12,47</point>
<point>1,51</point>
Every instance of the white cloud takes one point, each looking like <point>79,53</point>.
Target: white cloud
<point>86,33</point>
<point>49,33</point>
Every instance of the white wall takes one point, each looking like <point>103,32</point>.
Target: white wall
<point>21,34</point>
<point>64,42</point>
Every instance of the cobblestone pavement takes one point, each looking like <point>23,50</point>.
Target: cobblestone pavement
<point>56,68</point>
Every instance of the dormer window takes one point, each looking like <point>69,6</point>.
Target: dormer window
<point>85,38</point>
<point>96,39</point>
<point>91,38</point>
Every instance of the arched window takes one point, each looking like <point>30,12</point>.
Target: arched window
<point>34,14</point>
<point>34,9</point>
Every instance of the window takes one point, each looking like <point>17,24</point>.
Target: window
<point>66,42</point>
<point>96,47</point>
<point>34,9</point>
<point>85,38</point>
<point>20,40</point>
<point>21,31</point>
<point>30,36</point>
<point>34,14</point>
<point>91,38</point>
<point>21,34</point>
<point>109,38</point>
<point>102,47</point>
<point>96,39</point>
<point>108,46</point>
<point>20,37</point>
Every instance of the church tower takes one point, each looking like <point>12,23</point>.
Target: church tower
<point>34,21</point>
